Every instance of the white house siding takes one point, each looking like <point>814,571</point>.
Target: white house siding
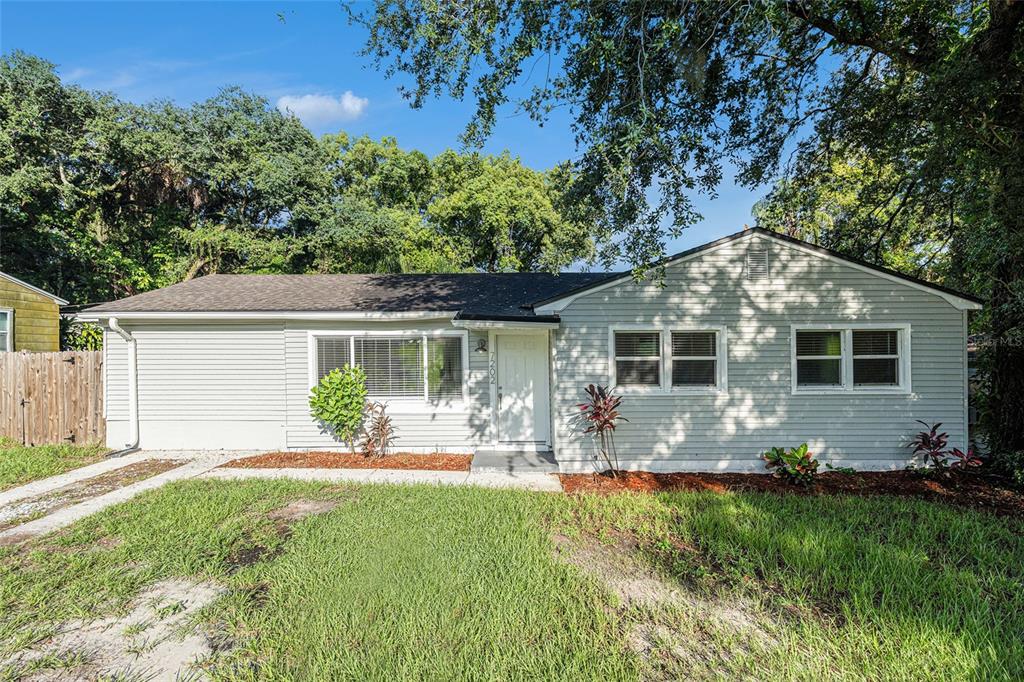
<point>728,430</point>
<point>447,426</point>
<point>204,385</point>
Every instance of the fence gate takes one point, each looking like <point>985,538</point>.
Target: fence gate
<point>52,397</point>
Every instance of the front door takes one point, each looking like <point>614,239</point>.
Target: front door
<point>522,388</point>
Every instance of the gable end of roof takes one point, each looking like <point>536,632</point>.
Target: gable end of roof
<point>56,299</point>
<point>958,299</point>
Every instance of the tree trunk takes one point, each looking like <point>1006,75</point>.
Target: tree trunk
<point>1004,417</point>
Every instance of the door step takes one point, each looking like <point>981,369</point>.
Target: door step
<point>513,462</point>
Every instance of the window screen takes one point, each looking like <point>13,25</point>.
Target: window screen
<point>393,365</point>
<point>332,352</point>
<point>694,359</point>
<point>638,358</point>
<point>5,331</point>
<point>444,367</point>
<point>819,358</point>
<point>876,358</point>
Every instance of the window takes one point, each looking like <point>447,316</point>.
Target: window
<point>663,360</point>
<point>876,358</point>
<point>444,367</point>
<point>332,352</point>
<point>819,358</point>
<point>6,330</point>
<point>393,365</point>
<point>852,358</point>
<point>638,358</point>
<point>694,358</point>
<point>397,366</point>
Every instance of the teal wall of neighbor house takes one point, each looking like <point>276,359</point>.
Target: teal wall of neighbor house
<point>729,428</point>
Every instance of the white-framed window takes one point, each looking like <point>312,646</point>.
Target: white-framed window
<point>6,329</point>
<point>861,357</point>
<point>637,358</point>
<point>402,366</point>
<point>671,359</point>
<point>695,359</point>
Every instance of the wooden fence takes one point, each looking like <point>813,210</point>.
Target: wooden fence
<point>52,397</point>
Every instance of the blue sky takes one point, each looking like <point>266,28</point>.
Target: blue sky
<point>186,51</point>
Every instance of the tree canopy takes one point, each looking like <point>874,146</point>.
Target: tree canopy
<point>922,99</point>
<point>101,198</point>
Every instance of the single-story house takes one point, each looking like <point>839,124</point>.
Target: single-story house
<point>29,316</point>
<point>748,342</point>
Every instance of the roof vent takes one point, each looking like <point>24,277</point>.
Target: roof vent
<point>757,262</point>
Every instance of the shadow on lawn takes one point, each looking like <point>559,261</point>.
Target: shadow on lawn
<point>882,583</point>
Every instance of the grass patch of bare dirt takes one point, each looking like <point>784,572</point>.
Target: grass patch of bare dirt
<point>675,630</point>
<point>346,460</point>
<point>960,489</point>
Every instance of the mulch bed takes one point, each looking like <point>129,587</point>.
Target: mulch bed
<point>346,460</point>
<point>967,490</point>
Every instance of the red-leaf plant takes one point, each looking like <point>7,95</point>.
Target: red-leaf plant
<point>931,445</point>
<point>600,415</point>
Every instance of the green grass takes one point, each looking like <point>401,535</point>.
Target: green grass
<point>431,582</point>
<point>20,464</point>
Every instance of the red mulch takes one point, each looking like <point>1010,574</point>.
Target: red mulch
<point>962,489</point>
<point>346,460</point>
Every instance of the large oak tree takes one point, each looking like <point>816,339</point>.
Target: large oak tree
<point>664,93</point>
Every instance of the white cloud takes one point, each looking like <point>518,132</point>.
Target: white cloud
<point>315,110</point>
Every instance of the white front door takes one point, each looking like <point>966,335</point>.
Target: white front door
<point>522,388</point>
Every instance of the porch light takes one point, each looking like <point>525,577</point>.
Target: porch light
<point>481,345</point>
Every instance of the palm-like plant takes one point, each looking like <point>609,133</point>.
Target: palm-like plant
<point>600,415</point>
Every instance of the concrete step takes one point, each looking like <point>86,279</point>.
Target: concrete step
<point>514,462</point>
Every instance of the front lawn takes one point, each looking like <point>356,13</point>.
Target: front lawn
<point>20,464</point>
<point>387,582</point>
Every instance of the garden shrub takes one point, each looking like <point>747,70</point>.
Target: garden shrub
<point>796,465</point>
<point>600,415</point>
<point>339,402</point>
<point>380,433</point>
<point>931,446</point>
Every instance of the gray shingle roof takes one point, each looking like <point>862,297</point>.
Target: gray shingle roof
<point>474,294</point>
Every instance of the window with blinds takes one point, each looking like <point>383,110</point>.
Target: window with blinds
<point>332,352</point>
<point>394,365</point>
<point>694,358</point>
<point>851,358</point>
<point>444,368</point>
<point>819,358</point>
<point>638,358</point>
<point>876,358</point>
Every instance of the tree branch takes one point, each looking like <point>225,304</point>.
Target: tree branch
<point>801,11</point>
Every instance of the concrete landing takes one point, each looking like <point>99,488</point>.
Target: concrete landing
<point>509,462</point>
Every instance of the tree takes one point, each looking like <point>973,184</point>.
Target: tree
<point>504,214</point>
<point>664,93</point>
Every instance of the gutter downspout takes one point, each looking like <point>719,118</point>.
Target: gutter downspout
<point>133,389</point>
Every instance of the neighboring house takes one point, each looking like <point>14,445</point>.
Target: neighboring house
<point>29,317</point>
<point>750,341</point>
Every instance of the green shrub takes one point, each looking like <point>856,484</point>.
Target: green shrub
<point>339,402</point>
<point>380,433</point>
<point>796,466</point>
<point>81,336</point>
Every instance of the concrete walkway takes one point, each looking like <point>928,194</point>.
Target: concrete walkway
<point>526,481</point>
<point>46,485</point>
<point>60,518</point>
<point>204,465</point>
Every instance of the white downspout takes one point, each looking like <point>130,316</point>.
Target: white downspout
<point>133,386</point>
